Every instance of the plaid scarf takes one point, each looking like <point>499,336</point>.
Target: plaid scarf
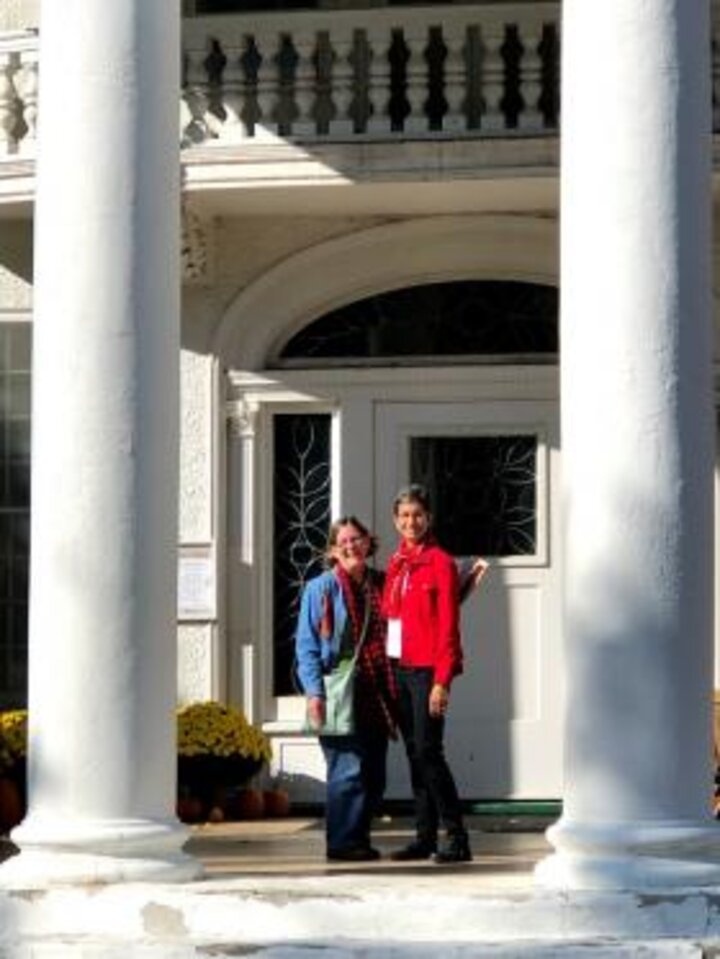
<point>375,685</point>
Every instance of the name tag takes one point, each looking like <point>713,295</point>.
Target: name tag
<point>393,645</point>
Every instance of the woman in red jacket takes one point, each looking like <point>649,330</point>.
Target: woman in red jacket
<point>422,605</point>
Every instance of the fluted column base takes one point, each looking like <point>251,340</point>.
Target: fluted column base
<point>632,856</point>
<point>81,852</point>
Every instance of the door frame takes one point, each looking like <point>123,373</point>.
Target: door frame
<point>350,395</point>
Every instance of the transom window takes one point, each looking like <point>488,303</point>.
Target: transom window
<point>472,321</point>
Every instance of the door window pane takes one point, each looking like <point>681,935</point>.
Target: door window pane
<point>301,521</point>
<point>483,491</point>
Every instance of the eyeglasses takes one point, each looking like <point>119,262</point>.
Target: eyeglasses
<point>350,541</point>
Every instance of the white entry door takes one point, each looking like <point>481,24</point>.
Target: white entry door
<point>492,471</point>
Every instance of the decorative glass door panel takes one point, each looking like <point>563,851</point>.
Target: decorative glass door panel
<point>301,518</point>
<point>483,489</point>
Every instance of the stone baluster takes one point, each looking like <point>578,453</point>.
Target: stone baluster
<point>342,81</point>
<point>455,87</point>
<point>232,97</point>
<point>268,85</point>
<point>379,91</point>
<point>530,118</point>
<point>493,77</point>
<point>8,104</point>
<point>416,40</point>
<point>26,83</point>
<point>305,83</point>
<point>195,99</point>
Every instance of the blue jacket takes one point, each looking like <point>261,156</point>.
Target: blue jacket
<point>316,655</point>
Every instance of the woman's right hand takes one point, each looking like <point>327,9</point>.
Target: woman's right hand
<point>316,711</point>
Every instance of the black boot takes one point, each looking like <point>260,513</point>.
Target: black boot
<point>416,850</point>
<point>456,848</point>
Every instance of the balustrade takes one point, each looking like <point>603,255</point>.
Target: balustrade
<point>421,72</point>
<point>486,70</point>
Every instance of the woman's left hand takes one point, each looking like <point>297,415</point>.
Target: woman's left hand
<point>438,700</point>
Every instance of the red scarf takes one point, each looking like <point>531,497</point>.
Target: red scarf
<point>403,561</point>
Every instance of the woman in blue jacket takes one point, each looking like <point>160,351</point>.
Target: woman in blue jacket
<point>334,609</point>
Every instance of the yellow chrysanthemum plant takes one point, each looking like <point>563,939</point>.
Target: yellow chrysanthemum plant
<point>214,729</point>
<point>13,741</point>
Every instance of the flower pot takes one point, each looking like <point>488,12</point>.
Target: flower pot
<point>12,808</point>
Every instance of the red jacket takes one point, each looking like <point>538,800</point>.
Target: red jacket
<point>422,591</point>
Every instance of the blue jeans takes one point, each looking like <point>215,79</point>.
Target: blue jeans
<point>355,786</point>
<point>434,790</point>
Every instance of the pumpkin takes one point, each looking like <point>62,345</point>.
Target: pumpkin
<point>277,802</point>
<point>248,804</point>
<point>189,809</point>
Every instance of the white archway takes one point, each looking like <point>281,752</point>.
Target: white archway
<point>334,273</point>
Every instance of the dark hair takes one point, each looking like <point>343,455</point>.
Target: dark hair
<point>414,493</point>
<point>334,531</point>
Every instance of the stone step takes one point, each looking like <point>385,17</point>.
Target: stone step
<point>328,949</point>
<point>355,916</point>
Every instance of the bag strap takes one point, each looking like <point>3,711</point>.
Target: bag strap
<point>363,628</point>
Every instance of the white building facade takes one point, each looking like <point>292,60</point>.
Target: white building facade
<point>371,254</point>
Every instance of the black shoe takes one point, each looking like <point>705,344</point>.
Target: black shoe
<point>353,854</point>
<point>454,849</point>
<point>416,850</point>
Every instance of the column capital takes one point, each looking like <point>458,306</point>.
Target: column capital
<point>242,415</point>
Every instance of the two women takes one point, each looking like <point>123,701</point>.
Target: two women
<point>410,655</point>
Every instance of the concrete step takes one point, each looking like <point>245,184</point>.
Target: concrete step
<point>88,949</point>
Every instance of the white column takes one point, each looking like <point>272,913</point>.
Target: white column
<point>637,433</point>
<point>105,450</point>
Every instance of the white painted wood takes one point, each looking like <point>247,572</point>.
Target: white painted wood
<point>102,655</point>
<point>504,734</point>
<point>636,365</point>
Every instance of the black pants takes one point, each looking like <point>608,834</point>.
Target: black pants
<point>436,796</point>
